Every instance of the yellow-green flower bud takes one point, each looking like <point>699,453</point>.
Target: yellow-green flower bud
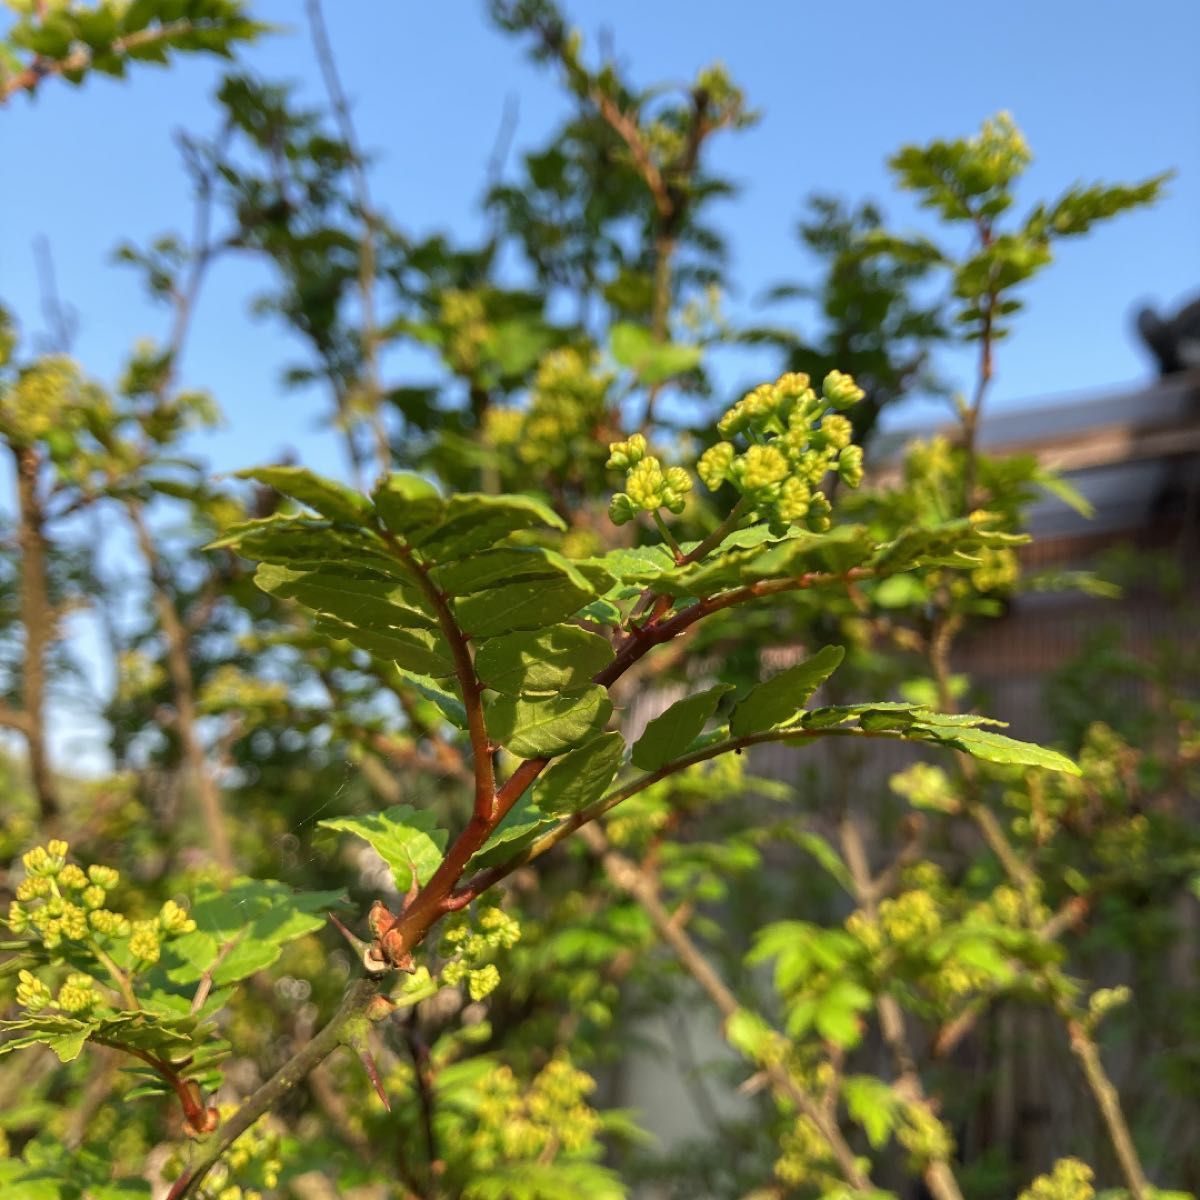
<point>18,918</point>
<point>714,464</point>
<point>453,973</point>
<point>33,887</point>
<point>645,484</point>
<point>819,510</point>
<point>759,468</point>
<point>501,929</point>
<point>794,499</point>
<point>675,489</point>
<point>840,390</point>
<point>74,922</point>
<point>836,431</point>
<point>1070,1180</point>
<point>105,877</point>
<point>104,921</point>
<point>32,993</point>
<point>795,387</point>
<point>850,466</point>
<point>144,941</point>
<point>36,860</point>
<point>173,919</point>
<point>72,876</point>
<point>77,994</point>
<point>622,455</point>
<point>621,509</point>
<point>483,981</point>
<point>93,897</point>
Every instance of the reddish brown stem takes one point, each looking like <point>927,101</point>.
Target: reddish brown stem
<point>468,681</point>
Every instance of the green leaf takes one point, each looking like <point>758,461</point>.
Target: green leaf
<point>749,1034</point>
<point>837,1014</point>
<point>521,825</point>
<point>328,497</point>
<point>543,727</point>
<point>248,923</point>
<point>992,747</point>
<point>530,604</point>
<point>492,568</point>
<point>782,697</point>
<point>563,658</point>
<point>872,1103</point>
<point>639,565</point>
<point>669,734</point>
<point>474,521</point>
<point>451,706</point>
<point>418,650</point>
<point>798,554</point>
<point>634,346</point>
<point>406,838</point>
<point>312,545</point>
<point>365,601</point>
<point>826,855</point>
<point>580,777</point>
<point>407,503</point>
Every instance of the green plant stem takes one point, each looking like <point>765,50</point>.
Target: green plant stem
<point>351,1010</point>
<point>118,976</point>
<point>719,534</point>
<point>668,536</point>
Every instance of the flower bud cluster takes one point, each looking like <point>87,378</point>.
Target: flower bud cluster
<point>558,432</point>
<point>806,1161</point>
<point>923,1135</point>
<point>795,439</point>
<point>470,948</point>
<point>58,902</point>
<point>550,1115</point>
<point>249,1169</point>
<point>648,485</point>
<point>1070,1180</point>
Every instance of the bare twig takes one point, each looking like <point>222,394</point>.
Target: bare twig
<point>938,1173</point>
<point>631,879</point>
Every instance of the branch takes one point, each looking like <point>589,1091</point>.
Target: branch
<point>183,682</point>
<point>638,884</point>
<point>366,243</point>
<point>38,621</point>
<point>1109,1103</point>
<point>657,631</point>
<point>352,1009</point>
<point>43,68</point>
<point>492,875</point>
<point>937,1172</point>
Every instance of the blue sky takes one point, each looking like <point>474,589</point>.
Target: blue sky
<point>1103,90</point>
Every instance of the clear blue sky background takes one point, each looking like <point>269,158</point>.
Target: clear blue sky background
<point>1104,89</point>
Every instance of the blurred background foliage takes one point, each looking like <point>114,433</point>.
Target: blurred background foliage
<point>997,912</point>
